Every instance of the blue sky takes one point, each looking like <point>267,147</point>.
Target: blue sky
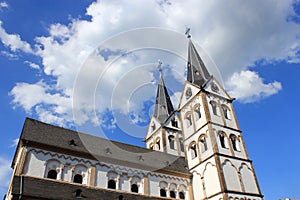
<point>88,65</point>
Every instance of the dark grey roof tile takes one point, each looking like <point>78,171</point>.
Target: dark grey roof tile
<point>75,143</point>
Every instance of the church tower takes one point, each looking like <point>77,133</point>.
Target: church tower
<point>164,131</point>
<point>214,147</point>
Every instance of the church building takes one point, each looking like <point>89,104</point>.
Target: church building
<point>194,152</point>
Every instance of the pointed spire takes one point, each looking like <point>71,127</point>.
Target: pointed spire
<point>163,105</point>
<point>196,70</point>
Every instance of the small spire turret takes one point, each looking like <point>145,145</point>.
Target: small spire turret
<point>163,105</point>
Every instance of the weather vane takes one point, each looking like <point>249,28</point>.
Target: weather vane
<point>187,32</point>
<point>159,65</point>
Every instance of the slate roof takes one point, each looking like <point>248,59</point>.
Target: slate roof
<point>196,71</point>
<point>54,138</point>
<point>163,105</point>
<point>39,188</point>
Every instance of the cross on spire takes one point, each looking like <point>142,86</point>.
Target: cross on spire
<point>159,65</point>
<point>187,32</point>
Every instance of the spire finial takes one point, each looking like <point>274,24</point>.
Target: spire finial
<point>187,32</point>
<point>159,65</point>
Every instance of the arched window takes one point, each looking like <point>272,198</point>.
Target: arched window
<point>188,119</point>
<point>135,181</point>
<point>174,123</point>
<point>223,142</point>
<point>52,169</point>
<point>163,193</point>
<point>197,112</point>
<point>77,179</point>
<point>214,107</point>
<point>182,189</point>
<point>163,185</point>
<point>172,194</point>
<point>193,149</point>
<point>171,139</point>
<point>153,127</point>
<point>188,92</point>
<point>134,188</point>
<point>181,195</point>
<point>181,144</point>
<point>151,146</point>
<point>226,111</point>
<point>157,144</point>
<point>203,143</point>
<point>234,142</point>
<point>80,174</point>
<point>52,174</point>
<point>111,184</point>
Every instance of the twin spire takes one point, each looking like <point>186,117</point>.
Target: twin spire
<point>197,74</point>
<point>196,70</point>
<point>163,105</point>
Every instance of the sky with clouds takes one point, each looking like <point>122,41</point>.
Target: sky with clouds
<point>92,66</point>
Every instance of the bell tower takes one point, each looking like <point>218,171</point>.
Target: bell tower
<point>164,131</point>
<point>214,147</point>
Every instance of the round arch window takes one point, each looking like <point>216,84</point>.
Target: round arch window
<point>52,174</point>
<point>134,188</point>
<point>77,179</point>
<point>111,184</point>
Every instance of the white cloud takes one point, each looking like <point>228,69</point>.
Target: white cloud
<point>235,34</point>
<point>10,56</point>
<point>14,41</point>
<point>49,104</point>
<point>14,142</point>
<point>109,124</point>
<point>248,87</point>
<point>23,94</point>
<point>3,4</point>
<point>32,65</point>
